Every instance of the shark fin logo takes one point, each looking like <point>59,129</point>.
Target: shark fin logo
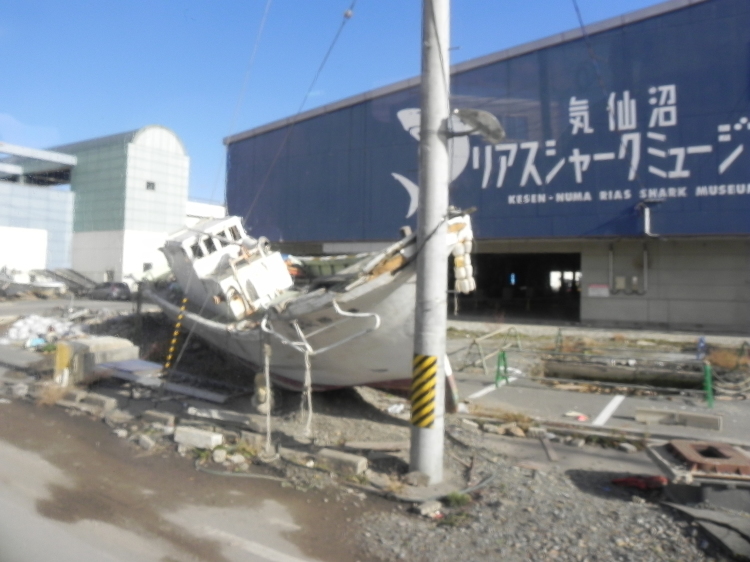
<point>459,149</point>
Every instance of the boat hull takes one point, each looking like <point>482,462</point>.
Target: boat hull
<point>378,357</point>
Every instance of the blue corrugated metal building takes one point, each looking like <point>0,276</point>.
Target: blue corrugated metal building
<point>621,194</point>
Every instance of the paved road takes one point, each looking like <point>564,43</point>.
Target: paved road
<point>44,307</point>
<point>72,491</point>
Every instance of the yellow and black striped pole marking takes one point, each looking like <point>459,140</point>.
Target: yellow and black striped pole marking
<point>176,333</point>
<point>423,382</point>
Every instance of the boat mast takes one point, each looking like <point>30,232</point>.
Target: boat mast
<point>428,378</point>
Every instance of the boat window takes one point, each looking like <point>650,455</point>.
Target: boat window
<point>197,250</point>
<point>224,238</point>
<point>235,232</point>
<point>210,246</point>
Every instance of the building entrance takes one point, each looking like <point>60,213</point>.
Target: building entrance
<point>525,286</point>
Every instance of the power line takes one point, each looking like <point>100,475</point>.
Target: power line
<point>346,17</point>
<point>243,89</point>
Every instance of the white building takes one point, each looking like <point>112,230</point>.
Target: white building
<point>127,193</point>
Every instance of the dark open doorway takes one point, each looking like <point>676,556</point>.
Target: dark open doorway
<point>525,286</point>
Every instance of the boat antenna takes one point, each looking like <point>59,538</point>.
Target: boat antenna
<point>345,19</point>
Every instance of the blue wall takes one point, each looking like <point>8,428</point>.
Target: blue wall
<point>661,116</point>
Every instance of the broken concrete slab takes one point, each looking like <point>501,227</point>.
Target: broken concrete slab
<point>515,432</point>
<point>379,479</point>
<point>251,421</point>
<point>19,390</point>
<point>24,360</point>
<point>81,407</point>
<point>155,416</point>
<point>297,456</point>
<point>106,403</point>
<point>145,373</point>
<point>537,432</point>
<point>428,509</point>
<point>340,462</point>
<point>146,442</point>
<point>376,445</point>
<point>730,539</point>
<point>678,417</point>
<point>74,394</point>
<point>254,441</point>
<point>236,458</point>
<point>116,417</point>
<point>197,438</point>
<point>739,523</point>
<point>81,356</point>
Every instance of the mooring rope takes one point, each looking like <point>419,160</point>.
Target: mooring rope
<point>307,396</point>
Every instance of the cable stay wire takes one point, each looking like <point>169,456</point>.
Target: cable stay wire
<point>345,19</point>
<point>243,90</point>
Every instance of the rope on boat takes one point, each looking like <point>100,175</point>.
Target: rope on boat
<point>269,453</point>
<point>307,397</point>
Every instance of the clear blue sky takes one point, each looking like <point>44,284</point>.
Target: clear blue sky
<point>79,69</point>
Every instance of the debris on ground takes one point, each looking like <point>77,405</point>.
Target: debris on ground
<point>494,506</point>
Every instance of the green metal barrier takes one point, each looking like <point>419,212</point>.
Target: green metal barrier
<point>502,360</point>
<point>708,383</point>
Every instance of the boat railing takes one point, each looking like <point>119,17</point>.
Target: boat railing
<point>303,345</point>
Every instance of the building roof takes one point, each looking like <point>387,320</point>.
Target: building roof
<point>557,39</point>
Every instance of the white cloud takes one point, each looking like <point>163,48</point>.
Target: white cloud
<point>34,136</point>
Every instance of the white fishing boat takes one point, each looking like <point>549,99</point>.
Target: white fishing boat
<point>354,323</point>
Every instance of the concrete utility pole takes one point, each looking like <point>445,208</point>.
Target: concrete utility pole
<point>428,377</point>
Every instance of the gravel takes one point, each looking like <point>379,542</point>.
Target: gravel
<point>526,514</point>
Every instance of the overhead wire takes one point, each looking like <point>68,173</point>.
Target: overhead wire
<point>243,88</point>
<point>345,19</point>
<point>600,79</point>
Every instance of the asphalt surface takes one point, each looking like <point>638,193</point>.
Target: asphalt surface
<point>530,397</point>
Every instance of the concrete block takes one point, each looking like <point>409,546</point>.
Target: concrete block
<point>75,395</point>
<point>81,407</point>
<point>146,442</point>
<point>116,417</point>
<point>24,360</point>
<point>197,438</point>
<point>341,463</point>
<point>537,432</point>
<point>254,441</point>
<point>252,422</point>
<point>428,509</point>
<point>236,458</point>
<point>296,456</point>
<point>81,356</point>
<point>515,432</point>
<point>155,416</point>
<point>106,403</point>
<point>677,417</point>
<point>19,390</point>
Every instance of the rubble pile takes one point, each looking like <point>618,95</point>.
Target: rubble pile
<point>34,327</point>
